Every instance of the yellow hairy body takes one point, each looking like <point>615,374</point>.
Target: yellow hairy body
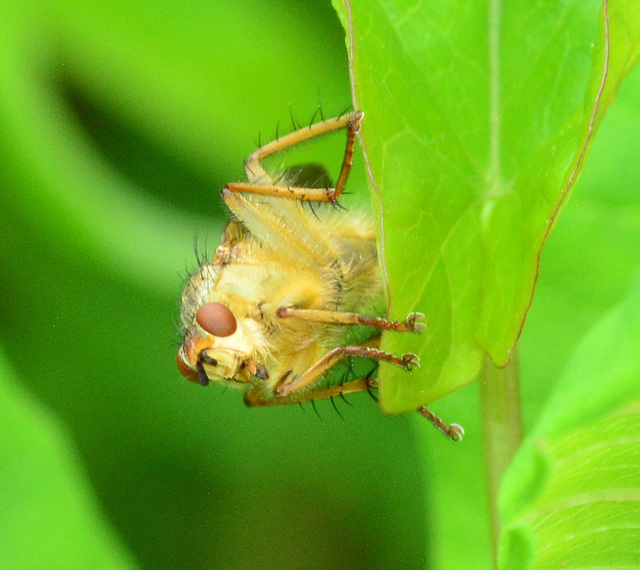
<point>293,289</point>
<point>278,253</point>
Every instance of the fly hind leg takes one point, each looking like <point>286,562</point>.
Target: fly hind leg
<point>261,183</point>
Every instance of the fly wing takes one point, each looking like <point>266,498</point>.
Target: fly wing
<point>279,224</point>
<point>305,233</point>
<point>310,175</point>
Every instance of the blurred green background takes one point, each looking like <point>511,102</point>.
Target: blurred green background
<point>119,124</point>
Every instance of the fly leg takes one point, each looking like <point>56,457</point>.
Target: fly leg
<point>410,324</point>
<point>256,173</point>
<point>255,398</point>
<point>284,387</point>
<point>453,431</point>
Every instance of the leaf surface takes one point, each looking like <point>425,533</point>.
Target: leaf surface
<point>570,499</point>
<point>478,119</point>
<point>49,517</point>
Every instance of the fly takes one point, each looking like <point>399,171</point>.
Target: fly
<point>290,294</point>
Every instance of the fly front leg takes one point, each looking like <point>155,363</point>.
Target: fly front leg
<point>452,431</point>
<point>284,387</point>
<point>410,324</point>
<point>261,183</point>
<point>255,397</point>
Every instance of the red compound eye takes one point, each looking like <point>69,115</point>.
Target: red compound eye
<point>216,319</point>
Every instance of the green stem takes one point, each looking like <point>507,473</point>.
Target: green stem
<point>502,421</point>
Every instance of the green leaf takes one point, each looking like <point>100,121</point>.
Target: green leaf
<point>570,498</point>
<point>478,118</point>
<point>48,516</point>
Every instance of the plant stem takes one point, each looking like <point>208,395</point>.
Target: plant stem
<point>502,421</point>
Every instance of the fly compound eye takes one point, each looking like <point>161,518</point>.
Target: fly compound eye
<point>216,319</point>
